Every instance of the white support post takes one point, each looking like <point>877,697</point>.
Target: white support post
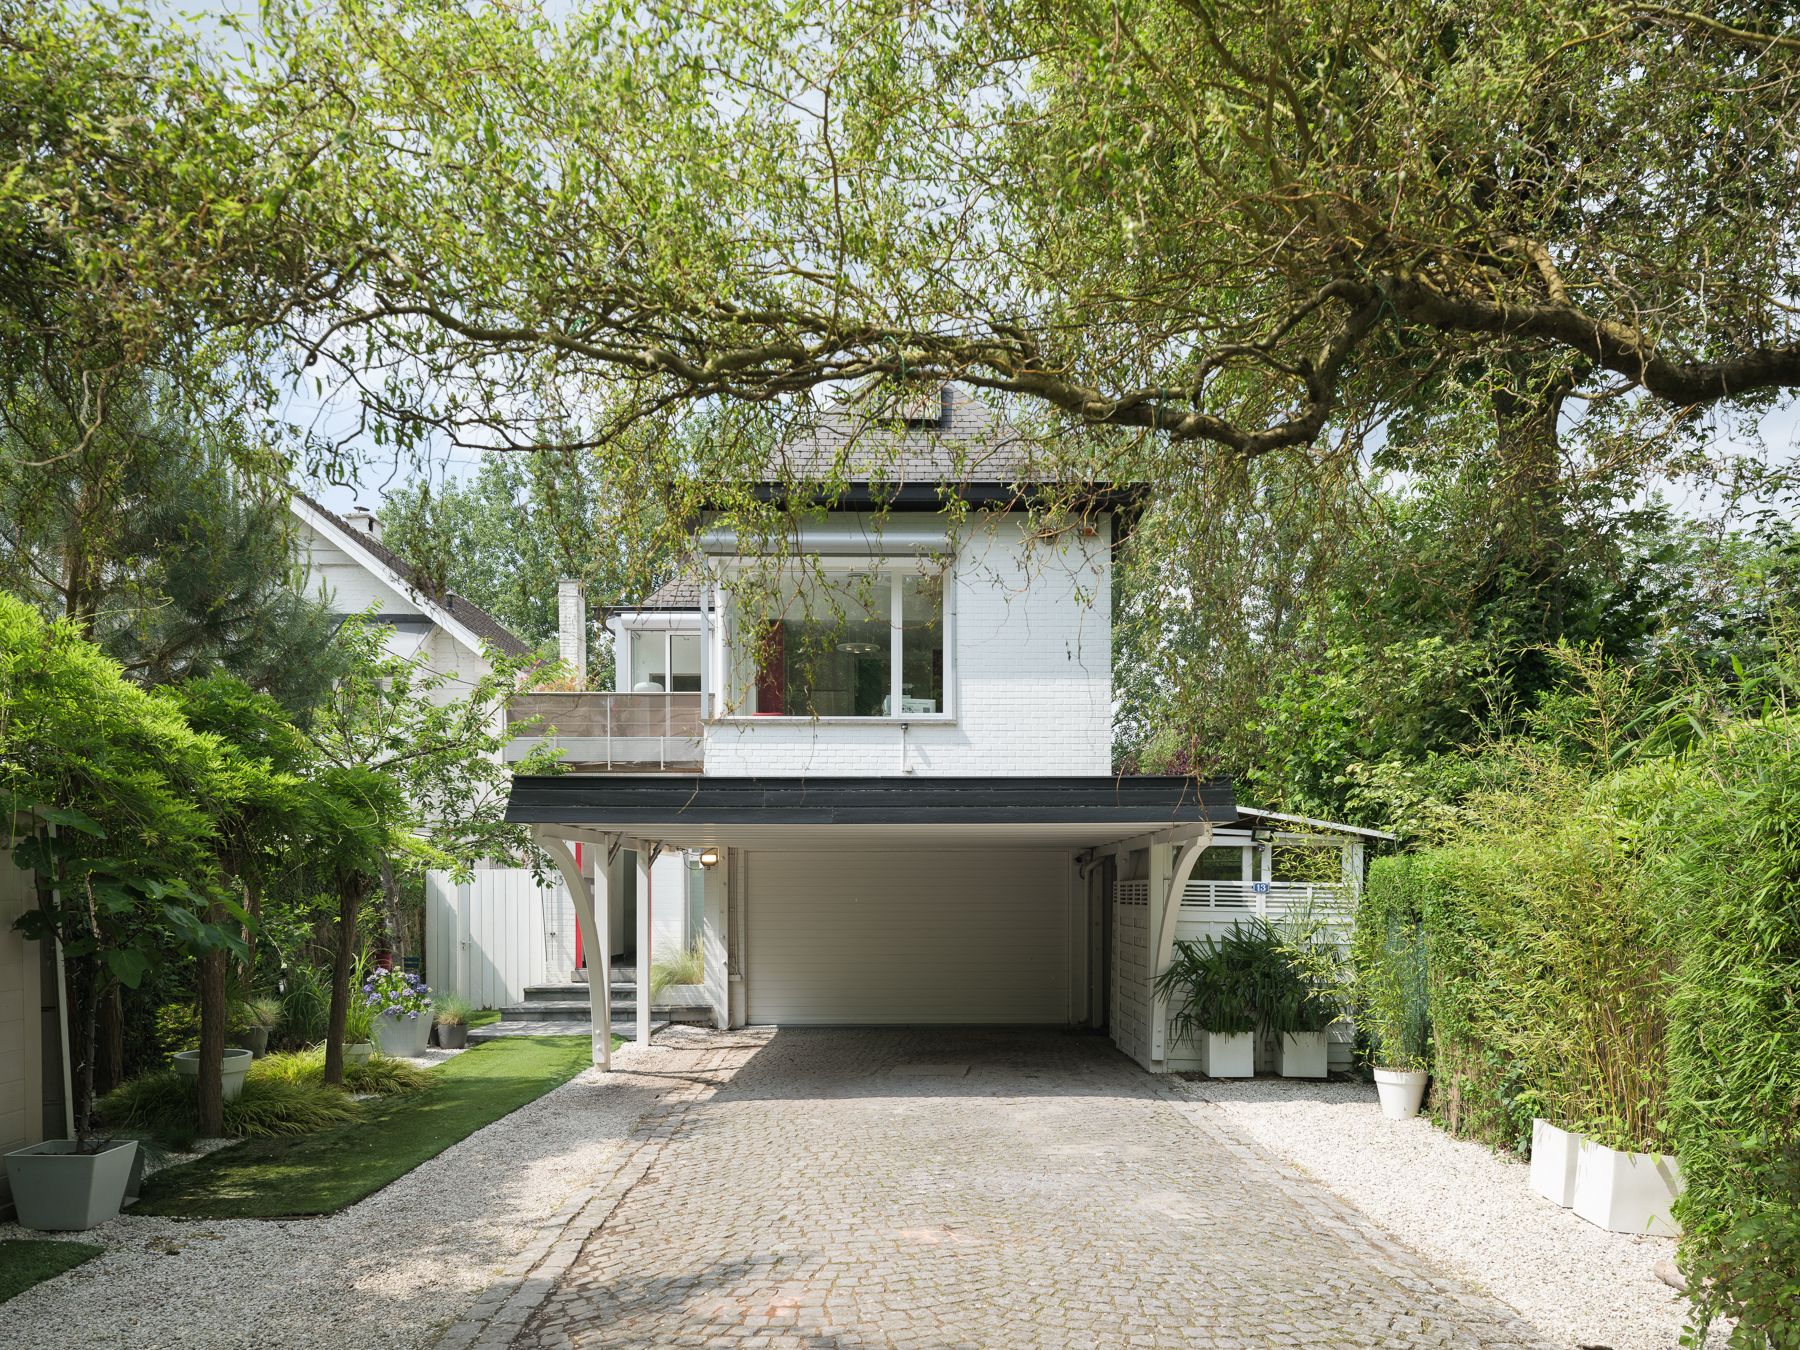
<point>1169,875</point>
<point>1158,904</point>
<point>609,878</point>
<point>644,859</point>
<point>590,938</point>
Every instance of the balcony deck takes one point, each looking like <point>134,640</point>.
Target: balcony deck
<point>609,733</point>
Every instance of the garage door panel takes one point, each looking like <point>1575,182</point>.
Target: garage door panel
<point>908,936</point>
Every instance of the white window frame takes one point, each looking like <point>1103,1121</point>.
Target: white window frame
<point>669,627</point>
<point>896,569</point>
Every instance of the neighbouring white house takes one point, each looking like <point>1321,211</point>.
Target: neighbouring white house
<point>889,745</point>
<point>499,936</point>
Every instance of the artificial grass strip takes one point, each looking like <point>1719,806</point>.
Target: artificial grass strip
<point>484,1017</point>
<point>321,1173</point>
<point>28,1261</point>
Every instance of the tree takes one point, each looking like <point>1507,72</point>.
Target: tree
<point>101,785</point>
<point>411,774</point>
<point>148,533</point>
<point>1233,226</point>
<point>506,537</point>
<point>257,812</point>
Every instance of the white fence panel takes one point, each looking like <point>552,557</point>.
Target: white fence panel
<point>1210,908</point>
<point>487,938</point>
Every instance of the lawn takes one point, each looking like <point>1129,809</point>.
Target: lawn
<point>484,1017</point>
<point>28,1261</point>
<point>321,1173</point>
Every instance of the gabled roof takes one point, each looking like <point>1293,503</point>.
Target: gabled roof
<point>683,591</point>
<point>462,617</point>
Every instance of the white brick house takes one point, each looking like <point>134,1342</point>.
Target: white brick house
<point>890,740</point>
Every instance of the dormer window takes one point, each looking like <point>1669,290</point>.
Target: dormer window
<point>838,641</point>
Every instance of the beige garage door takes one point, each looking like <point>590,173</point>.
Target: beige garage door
<point>849,938</point>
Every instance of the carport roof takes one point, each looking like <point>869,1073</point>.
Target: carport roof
<point>663,804</point>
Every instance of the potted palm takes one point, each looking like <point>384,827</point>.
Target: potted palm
<point>1214,1010</point>
<point>1393,1007</point>
<point>1296,993</point>
<point>452,1023</point>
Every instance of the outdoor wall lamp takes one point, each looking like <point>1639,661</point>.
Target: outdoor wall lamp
<point>709,857</point>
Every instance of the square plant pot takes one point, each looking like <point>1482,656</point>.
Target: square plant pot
<point>1626,1192</point>
<point>1300,1054</point>
<point>1553,1153</point>
<point>453,1037</point>
<point>60,1190</point>
<point>1228,1056</point>
<point>398,1037</point>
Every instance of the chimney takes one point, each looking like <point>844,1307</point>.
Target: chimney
<point>571,628</point>
<point>363,521</point>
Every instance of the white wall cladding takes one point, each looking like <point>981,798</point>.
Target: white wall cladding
<point>869,937</point>
<point>489,937</point>
<point>1129,1018</point>
<point>1031,676</point>
<point>1207,908</point>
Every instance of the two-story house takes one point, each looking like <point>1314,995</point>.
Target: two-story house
<point>886,728</point>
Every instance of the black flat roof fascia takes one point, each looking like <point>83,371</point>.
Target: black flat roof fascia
<point>574,799</point>
<point>865,496</point>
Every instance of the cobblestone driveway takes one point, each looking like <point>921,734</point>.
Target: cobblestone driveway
<point>845,1190</point>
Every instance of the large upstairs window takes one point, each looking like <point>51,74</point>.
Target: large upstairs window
<point>841,642</point>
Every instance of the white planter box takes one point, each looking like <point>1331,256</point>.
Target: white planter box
<point>1553,1153</point>
<point>1300,1054</point>
<point>58,1189</point>
<point>1626,1192</point>
<point>1228,1056</point>
<point>235,1065</point>
<point>682,996</point>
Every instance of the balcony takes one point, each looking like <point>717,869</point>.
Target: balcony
<point>609,733</point>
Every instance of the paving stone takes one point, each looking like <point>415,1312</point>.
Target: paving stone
<point>848,1190</point>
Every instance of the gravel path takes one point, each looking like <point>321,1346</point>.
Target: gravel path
<point>1463,1207</point>
<point>392,1270</point>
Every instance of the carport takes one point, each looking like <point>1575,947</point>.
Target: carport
<point>882,901</point>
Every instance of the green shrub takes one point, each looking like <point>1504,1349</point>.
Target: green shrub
<point>380,1075</point>
<point>305,1004</point>
<point>685,967</point>
<point>257,1011</point>
<point>162,1105</point>
<point>451,1011</point>
<point>177,1028</point>
<point>1734,1028</point>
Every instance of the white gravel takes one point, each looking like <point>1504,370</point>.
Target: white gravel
<point>1463,1207</point>
<point>392,1270</point>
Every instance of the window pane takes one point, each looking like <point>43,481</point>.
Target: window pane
<point>921,644</point>
<point>820,646</point>
<point>649,662</point>
<point>1222,863</point>
<point>684,663</point>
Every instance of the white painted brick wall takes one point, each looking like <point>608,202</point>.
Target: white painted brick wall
<point>1031,675</point>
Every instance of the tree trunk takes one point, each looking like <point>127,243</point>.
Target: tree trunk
<point>349,903</point>
<point>212,1032</point>
<point>111,1063</point>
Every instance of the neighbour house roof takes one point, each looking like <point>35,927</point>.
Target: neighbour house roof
<point>683,591</point>
<point>445,607</point>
